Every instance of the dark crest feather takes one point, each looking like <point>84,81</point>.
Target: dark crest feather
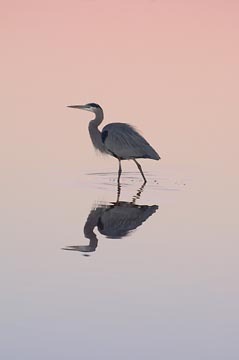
<point>94,105</point>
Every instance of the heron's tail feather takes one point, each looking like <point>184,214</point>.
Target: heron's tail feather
<point>151,154</point>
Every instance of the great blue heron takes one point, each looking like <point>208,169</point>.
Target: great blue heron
<point>118,139</point>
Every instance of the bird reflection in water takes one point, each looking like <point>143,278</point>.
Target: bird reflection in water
<point>114,220</point>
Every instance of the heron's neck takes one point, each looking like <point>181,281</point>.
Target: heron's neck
<point>95,133</point>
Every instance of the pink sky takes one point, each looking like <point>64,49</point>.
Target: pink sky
<point>168,67</point>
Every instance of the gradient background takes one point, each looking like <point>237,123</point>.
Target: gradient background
<point>171,69</point>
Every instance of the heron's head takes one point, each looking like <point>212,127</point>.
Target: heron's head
<point>89,107</point>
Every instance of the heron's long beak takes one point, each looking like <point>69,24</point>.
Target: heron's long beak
<point>83,107</point>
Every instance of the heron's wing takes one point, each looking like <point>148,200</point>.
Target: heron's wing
<point>124,142</point>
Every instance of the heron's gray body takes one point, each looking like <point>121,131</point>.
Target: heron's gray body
<point>118,139</point>
<point>124,142</point>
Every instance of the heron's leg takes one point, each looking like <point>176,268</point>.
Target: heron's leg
<point>120,171</point>
<point>139,192</point>
<point>118,192</point>
<point>140,169</point>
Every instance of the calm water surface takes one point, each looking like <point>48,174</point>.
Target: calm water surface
<point>88,273</point>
